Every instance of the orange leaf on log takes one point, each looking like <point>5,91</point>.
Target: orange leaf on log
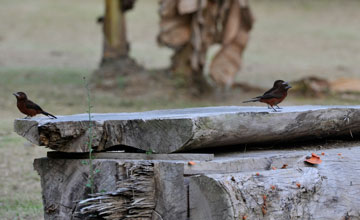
<point>191,163</point>
<point>314,159</point>
<point>284,166</point>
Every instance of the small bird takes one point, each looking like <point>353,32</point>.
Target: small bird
<point>28,107</point>
<point>276,85</point>
<point>273,96</point>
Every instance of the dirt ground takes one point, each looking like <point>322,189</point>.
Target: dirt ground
<point>47,47</point>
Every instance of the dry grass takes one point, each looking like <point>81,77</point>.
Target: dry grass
<point>48,46</point>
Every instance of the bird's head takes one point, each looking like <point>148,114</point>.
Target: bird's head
<point>278,83</point>
<point>286,85</point>
<point>20,95</point>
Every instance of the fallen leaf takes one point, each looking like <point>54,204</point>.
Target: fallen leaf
<point>274,168</point>
<point>298,185</point>
<point>273,187</point>
<point>284,166</point>
<point>257,174</point>
<point>191,163</point>
<point>264,197</point>
<point>339,154</point>
<point>314,159</point>
<point>244,217</point>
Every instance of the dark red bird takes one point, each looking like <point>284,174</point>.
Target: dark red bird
<point>28,107</point>
<point>273,96</point>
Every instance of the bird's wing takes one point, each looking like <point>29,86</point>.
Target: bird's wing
<point>269,91</point>
<point>271,96</point>
<point>31,105</point>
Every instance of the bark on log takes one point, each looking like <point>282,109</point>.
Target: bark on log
<point>63,184</point>
<point>126,189</point>
<point>134,197</point>
<point>167,131</point>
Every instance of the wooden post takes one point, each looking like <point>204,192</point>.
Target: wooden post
<point>115,43</point>
<point>115,61</point>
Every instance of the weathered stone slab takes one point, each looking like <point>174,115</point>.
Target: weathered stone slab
<point>180,130</point>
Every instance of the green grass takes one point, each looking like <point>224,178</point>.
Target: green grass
<point>21,208</point>
<point>20,193</point>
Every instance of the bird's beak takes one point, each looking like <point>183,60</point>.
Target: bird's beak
<point>15,94</point>
<point>287,85</point>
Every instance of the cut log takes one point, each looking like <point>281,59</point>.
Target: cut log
<point>133,198</point>
<point>167,131</point>
<point>126,189</point>
<point>249,185</point>
<point>179,130</point>
<point>327,191</point>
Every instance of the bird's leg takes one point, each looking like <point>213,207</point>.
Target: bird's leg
<point>27,117</point>
<point>273,108</point>
<point>278,107</point>
<point>268,106</point>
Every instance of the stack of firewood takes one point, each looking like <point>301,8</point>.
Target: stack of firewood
<point>190,27</point>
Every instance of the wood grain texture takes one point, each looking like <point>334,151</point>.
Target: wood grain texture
<point>327,191</point>
<point>131,156</point>
<point>231,186</point>
<point>179,130</point>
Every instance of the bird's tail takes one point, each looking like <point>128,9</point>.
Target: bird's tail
<point>252,100</point>
<point>48,114</point>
